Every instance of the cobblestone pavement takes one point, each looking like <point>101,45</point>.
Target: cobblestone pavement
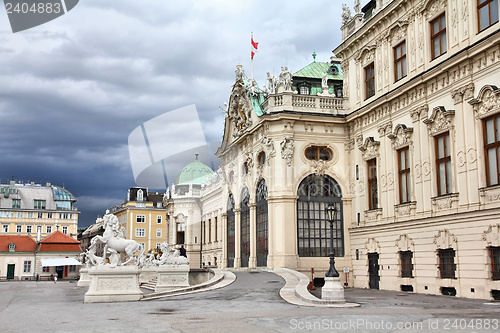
<point>251,304</point>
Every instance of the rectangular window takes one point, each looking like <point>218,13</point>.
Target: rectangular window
<point>40,215</point>
<point>406,265</point>
<point>28,229</point>
<point>158,219</point>
<point>72,268</point>
<point>438,36</point>
<point>369,80</point>
<point>443,163</point>
<point>204,224</point>
<point>180,233</point>
<point>495,262</point>
<point>140,218</point>
<point>215,228</point>
<point>447,265</point>
<point>487,13</point>
<point>491,134</point>
<point>372,184</point>
<point>158,246</point>
<point>30,215</point>
<point>27,266</point>
<point>404,175</point>
<point>19,215</point>
<point>49,229</point>
<point>39,228</point>
<point>49,215</point>
<point>158,233</point>
<point>209,230</point>
<point>19,228</point>
<point>65,230</point>
<point>140,232</point>
<point>140,204</point>
<point>39,204</point>
<point>16,203</point>
<point>400,61</point>
<point>5,228</point>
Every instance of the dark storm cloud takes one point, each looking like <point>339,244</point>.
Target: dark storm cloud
<point>72,90</point>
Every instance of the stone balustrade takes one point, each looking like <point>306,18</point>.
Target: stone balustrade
<point>288,101</point>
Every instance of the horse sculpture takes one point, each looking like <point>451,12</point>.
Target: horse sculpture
<point>116,244</point>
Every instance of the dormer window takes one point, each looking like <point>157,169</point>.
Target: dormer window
<point>140,195</point>
<point>304,89</point>
<point>333,70</point>
<point>12,247</point>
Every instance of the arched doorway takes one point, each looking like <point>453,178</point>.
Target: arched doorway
<point>262,223</point>
<point>245,228</point>
<point>230,231</point>
<point>313,229</point>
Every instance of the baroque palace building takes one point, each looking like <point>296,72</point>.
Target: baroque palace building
<point>407,149</point>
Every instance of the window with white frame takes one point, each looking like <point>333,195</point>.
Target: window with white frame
<point>19,215</point>
<point>158,219</point>
<point>158,233</point>
<point>140,195</point>
<point>65,230</point>
<point>39,229</point>
<point>140,218</point>
<point>30,215</point>
<point>5,228</point>
<point>19,228</point>
<point>40,215</point>
<point>27,266</point>
<point>28,229</point>
<point>49,215</point>
<point>140,232</point>
<point>72,268</point>
<point>49,229</point>
<point>16,203</point>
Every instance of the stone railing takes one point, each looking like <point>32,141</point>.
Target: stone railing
<point>303,103</point>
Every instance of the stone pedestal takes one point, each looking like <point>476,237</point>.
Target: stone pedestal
<point>172,277</point>
<point>84,280</point>
<point>332,290</point>
<point>113,284</point>
<point>148,274</point>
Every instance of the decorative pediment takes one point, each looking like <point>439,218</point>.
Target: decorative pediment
<point>398,32</point>
<point>492,235</point>
<point>369,149</point>
<point>240,109</point>
<point>401,137</point>
<point>445,240</point>
<point>180,218</point>
<point>372,245</point>
<point>366,55</point>
<point>433,7</point>
<point>439,121</point>
<point>487,102</point>
<point>405,243</point>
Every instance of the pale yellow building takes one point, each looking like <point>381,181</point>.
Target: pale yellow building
<point>143,217</point>
<point>29,209</point>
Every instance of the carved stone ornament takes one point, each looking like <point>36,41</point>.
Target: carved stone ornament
<point>405,210</point>
<point>366,55</point>
<point>372,245</point>
<point>492,235</point>
<point>373,215</point>
<point>269,149</point>
<point>463,93</point>
<point>287,149</point>
<point>487,102</point>
<point>240,109</point>
<point>319,167</point>
<point>415,113</point>
<point>490,194</point>
<point>439,121</point>
<point>401,136</point>
<point>398,32</point>
<point>434,7</point>
<point>405,243</point>
<point>445,202</point>
<point>445,240</point>
<point>369,149</point>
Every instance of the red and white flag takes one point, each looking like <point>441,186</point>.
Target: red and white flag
<point>254,47</point>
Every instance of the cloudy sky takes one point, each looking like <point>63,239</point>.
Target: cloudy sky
<point>73,89</point>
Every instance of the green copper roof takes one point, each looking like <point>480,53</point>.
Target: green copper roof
<point>256,100</point>
<point>315,70</point>
<point>194,173</point>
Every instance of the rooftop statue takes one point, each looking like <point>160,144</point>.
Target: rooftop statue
<point>240,73</point>
<point>346,14</point>
<point>273,83</point>
<point>285,79</point>
<point>115,244</point>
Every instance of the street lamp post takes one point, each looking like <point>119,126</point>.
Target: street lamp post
<point>331,212</point>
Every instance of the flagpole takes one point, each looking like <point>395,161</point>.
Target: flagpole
<point>251,61</point>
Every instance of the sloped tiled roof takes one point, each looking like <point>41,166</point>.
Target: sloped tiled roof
<point>59,242</point>
<point>23,243</point>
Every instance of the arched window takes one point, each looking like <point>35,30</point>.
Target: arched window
<point>245,228</point>
<point>313,229</point>
<point>140,195</point>
<point>262,223</point>
<point>230,231</point>
<point>261,158</point>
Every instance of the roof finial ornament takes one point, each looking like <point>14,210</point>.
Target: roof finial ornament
<point>314,56</point>
<point>196,156</point>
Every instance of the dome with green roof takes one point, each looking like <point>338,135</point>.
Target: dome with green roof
<point>194,173</point>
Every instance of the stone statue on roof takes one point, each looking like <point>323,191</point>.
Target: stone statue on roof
<point>357,9</point>
<point>324,82</point>
<point>240,72</point>
<point>273,83</point>
<point>346,14</point>
<point>285,79</point>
